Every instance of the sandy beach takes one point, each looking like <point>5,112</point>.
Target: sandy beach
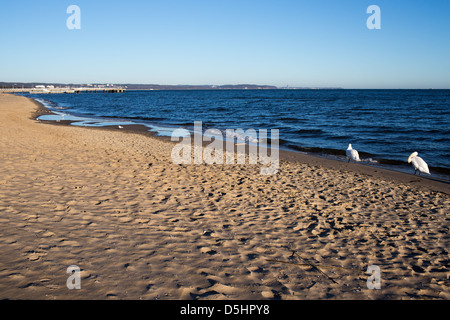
<point>141,227</point>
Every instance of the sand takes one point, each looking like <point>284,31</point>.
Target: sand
<point>141,227</point>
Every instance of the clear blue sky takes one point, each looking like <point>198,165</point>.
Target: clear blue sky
<point>285,42</point>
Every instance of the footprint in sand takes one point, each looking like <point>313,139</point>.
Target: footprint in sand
<point>47,234</point>
<point>208,250</point>
<point>16,276</point>
<point>33,256</point>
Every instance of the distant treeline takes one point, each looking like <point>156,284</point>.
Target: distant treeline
<point>194,87</point>
<point>131,86</point>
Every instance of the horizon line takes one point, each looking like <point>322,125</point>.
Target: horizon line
<point>213,86</point>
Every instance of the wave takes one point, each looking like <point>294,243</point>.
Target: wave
<point>219,109</point>
<point>315,150</point>
<point>289,119</point>
<point>144,118</point>
<point>341,137</point>
<point>407,131</point>
<point>309,131</point>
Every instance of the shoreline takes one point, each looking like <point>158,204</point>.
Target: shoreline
<point>141,227</point>
<point>396,162</point>
<point>433,183</point>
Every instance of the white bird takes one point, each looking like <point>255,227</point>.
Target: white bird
<point>418,163</point>
<point>352,154</point>
<point>120,127</point>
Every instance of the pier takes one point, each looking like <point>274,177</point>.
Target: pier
<point>50,90</point>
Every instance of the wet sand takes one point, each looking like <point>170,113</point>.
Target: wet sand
<point>141,227</point>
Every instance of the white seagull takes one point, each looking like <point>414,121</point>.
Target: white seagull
<point>352,154</point>
<point>120,127</point>
<point>418,163</point>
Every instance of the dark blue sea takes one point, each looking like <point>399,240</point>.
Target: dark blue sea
<point>385,126</point>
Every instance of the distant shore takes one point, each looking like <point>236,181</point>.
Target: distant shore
<point>139,226</point>
<point>137,86</point>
